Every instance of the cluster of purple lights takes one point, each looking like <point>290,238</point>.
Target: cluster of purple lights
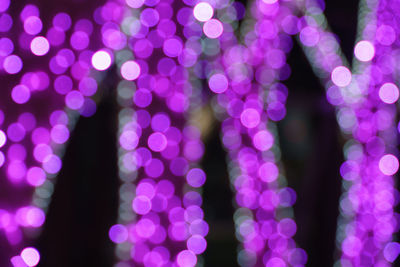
<point>162,50</point>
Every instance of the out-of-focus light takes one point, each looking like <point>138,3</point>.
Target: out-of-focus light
<point>130,70</point>
<point>2,138</point>
<point>186,258</point>
<point>134,3</point>
<point>118,233</point>
<point>30,256</point>
<point>101,60</point>
<point>218,83</point>
<point>213,28</point>
<point>250,118</point>
<point>20,94</point>
<point>341,76</point>
<point>40,46</point>
<point>364,51</point>
<point>391,251</point>
<point>389,93</point>
<point>33,25</point>
<point>203,11</point>
<point>389,164</point>
<point>12,64</point>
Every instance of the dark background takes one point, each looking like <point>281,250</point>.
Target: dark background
<point>85,201</point>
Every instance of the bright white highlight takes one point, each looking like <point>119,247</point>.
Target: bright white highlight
<point>203,11</point>
<point>341,76</point>
<point>130,70</point>
<point>101,60</point>
<point>364,51</point>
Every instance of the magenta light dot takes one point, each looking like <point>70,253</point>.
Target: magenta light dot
<point>35,176</point>
<point>3,138</point>
<point>30,256</point>
<point>186,258</point>
<point>157,142</point>
<point>250,118</point>
<point>341,76</point>
<point>270,1</point>
<point>33,216</point>
<point>268,172</point>
<point>79,40</point>
<point>213,28</point>
<point>52,164</point>
<point>56,37</point>
<point>388,164</point>
<point>129,140</point>
<point>165,188</point>
<point>130,70</point>
<point>276,262</point>
<point>27,120</point>
<point>364,51</point>
<point>62,21</point>
<point>4,4</point>
<point>160,122</point>
<point>197,244</point>
<point>29,10</point>
<point>218,83</point>
<point>149,17</point>
<point>352,246</point>
<point>145,228</point>
<point>287,227</point>
<point>74,100</point>
<point>16,170</point>
<point>141,205</point>
<point>16,152</point>
<point>88,86</point>
<point>178,166</point>
<point>41,151</point>
<point>309,36</point>
<point>84,25</point>
<point>134,3</point>
<point>20,94</point>
<point>16,132</point>
<point>203,11</point>
<point>385,35</point>
<point>33,25</point>
<point>172,47</point>
<point>142,98</point>
<point>2,158</point>
<point>154,168</point>
<point>59,134</point>
<point>145,189</point>
<point>6,22</point>
<point>65,58</point>
<point>389,93</point>
<point>40,46</point>
<point>40,136</point>
<point>63,84</point>
<point>12,64</point>
<point>6,47</point>
<point>391,251</point>
<point>263,140</point>
<point>101,60</point>
<point>118,233</point>
<point>196,177</point>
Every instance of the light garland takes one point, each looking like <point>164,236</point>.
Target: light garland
<point>160,218</point>
<point>367,202</point>
<point>34,135</point>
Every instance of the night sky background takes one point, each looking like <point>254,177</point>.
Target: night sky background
<point>85,201</point>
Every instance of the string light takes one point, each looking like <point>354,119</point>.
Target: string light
<point>160,217</point>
